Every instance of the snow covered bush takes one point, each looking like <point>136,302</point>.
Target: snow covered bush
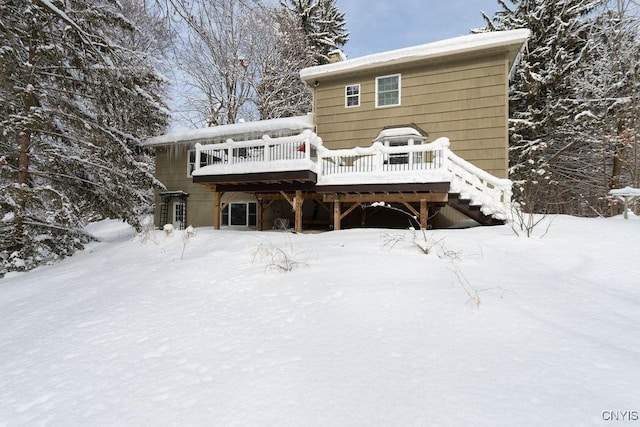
<point>187,234</point>
<point>278,258</point>
<point>168,230</point>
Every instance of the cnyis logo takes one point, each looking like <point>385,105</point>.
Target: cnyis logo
<point>620,415</point>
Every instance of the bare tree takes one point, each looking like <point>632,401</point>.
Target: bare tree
<point>220,50</point>
<point>281,92</point>
<point>152,33</point>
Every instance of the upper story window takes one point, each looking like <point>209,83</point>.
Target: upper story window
<point>205,159</point>
<point>352,96</point>
<point>388,91</point>
<point>191,161</point>
<point>400,136</point>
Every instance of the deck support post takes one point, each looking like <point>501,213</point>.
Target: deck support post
<point>217,211</point>
<point>260,219</point>
<point>297,207</point>
<point>424,214</point>
<point>336,214</point>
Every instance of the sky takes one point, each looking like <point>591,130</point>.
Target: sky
<point>378,26</point>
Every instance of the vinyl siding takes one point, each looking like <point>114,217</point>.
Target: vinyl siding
<point>466,101</point>
<point>171,170</point>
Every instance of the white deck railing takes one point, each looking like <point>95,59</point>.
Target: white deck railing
<point>381,161</point>
<point>377,164</point>
<point>258,155</point>
<point>492,194</point>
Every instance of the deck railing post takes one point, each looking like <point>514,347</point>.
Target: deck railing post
<point>410,153</point>
<point>378,159</point>
<point>197,159</point>
<point>320,167</point>
<point>230,152</point>
<point>507,196</point>
<point>267,151</point>
<point>443,153</point>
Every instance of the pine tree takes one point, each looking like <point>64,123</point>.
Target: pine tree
<point>540,89</point>
<point>323,23</point>
<point>307,31</point>
<point>607,91</point>
<point>75,104</point>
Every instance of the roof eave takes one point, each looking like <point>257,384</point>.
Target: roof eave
<point>342,68</point>
<point>204,135</point>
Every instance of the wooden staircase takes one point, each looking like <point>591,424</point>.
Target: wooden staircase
<point>476,193</point>
<point>472,211</point>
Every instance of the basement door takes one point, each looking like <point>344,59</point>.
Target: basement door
<point>179,213</point>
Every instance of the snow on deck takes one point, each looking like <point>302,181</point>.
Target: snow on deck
<point>290,165</point>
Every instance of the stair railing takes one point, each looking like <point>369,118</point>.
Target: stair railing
<point>492,194</point>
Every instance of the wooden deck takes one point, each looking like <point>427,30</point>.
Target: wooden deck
<point>299,168</point>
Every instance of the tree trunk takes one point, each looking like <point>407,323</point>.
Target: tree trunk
<point>23,158</point>
<point>614,182</point>
<point>616,171</point>
<point>22,196</point>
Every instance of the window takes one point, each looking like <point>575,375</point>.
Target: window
<point>402,136</point>
<point>388,91</point>
<point>352,96</point>
<point>242,214</point>
<point>191,165</point>
<point>397,158</point>
<point>205,159</point>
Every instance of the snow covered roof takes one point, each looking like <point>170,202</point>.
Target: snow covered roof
<point>625,192</point>
<point>398,132</point>
<point>229,131</point>
<point>454,46</point>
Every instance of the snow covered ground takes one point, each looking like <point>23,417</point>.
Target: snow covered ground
<point>368,330</point>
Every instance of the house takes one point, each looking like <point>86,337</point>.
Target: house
<point>422,129</point>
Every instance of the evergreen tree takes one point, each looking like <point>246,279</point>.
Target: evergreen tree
<point>306,32</point>
<point>606,142</point>
<point>540,89</point>
<point>323,24</point>
<point>75,103</point>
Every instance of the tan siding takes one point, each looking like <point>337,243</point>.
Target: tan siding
<point>464,101</point>
<point>171,170</point>
<point>505,146</point>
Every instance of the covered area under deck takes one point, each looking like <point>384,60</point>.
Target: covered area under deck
<point>415,198</point>
<point>336,201</point>
<point>294,187</point>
